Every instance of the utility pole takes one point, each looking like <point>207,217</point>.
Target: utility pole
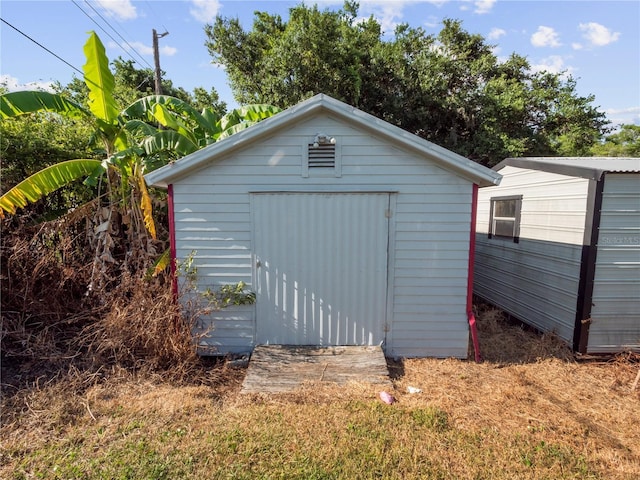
<point>156,58</point>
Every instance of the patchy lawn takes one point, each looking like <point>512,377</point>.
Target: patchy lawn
<point>530,410</point>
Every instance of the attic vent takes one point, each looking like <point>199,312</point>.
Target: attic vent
<point>322,155</point>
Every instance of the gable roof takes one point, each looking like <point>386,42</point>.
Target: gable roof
<point>591,168</point>
<point>321,103</point>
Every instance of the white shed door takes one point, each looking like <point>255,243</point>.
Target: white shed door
<point>320,268</point>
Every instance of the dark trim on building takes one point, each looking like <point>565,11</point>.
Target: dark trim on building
<point>588,266</point>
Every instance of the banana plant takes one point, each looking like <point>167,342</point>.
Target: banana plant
<point>145,135</point>
<point>153,128</point>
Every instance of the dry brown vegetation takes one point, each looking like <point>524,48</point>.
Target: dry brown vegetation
<point>113,390</point>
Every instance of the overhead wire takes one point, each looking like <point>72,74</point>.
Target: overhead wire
<point>100,27</point>
<point>42,46</point>
<point>117,33</point>
<point>155,14</point>
<point>55,55</point>
<point>105,32</point>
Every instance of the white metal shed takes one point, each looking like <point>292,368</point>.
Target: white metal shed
<point>349,230</point>
<point>558,247</point>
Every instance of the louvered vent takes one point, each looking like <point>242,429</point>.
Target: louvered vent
<point>322,156</point>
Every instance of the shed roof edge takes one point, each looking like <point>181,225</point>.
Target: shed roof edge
<point>449,160</point>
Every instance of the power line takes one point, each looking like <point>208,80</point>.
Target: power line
<point>155,14</point>
<point>117,33</point>
<point>101,28</point>
<point>42,46</point>
<point>55,55</point>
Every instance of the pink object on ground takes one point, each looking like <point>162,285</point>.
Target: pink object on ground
<point>387,398</point>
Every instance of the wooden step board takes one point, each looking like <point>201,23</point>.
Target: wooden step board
<point>284,368</point>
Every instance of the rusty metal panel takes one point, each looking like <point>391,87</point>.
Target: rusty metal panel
<point>320,267</point>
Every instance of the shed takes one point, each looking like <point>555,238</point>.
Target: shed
<point>558,247</point>
<point>349,230</point>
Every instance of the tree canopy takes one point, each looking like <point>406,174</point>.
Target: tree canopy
<point>624,143</point>
<point>448,88</point>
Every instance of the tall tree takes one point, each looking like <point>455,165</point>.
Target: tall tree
<point>449,88</point>
<point>624,143</point>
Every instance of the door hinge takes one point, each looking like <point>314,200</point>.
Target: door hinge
<point>388,213</point>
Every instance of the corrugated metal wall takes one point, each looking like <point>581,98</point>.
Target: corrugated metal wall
<point>615,312</point>
<point>537,279</point>
<point>321,268</point>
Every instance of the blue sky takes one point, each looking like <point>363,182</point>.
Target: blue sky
<point>598,42</point>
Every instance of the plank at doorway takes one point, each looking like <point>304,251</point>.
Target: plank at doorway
<point>284,368</point>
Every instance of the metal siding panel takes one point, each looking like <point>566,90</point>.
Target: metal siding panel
<point>553,206</point>
<point>230,330</point>
<point>534,281</point>
<point>425,195</point>
<point>322,277</point>
<point>615,315</point>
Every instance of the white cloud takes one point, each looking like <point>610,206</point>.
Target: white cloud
<point>212,65</point>
<point>13,84</point>
<point>577,46</point>
<point>545,37</point>
<point>483,6</point>
<point>432,21</point>
<point>388,14</point>
<point>121,9</point>
<point>168,51</point>
<point>553,64</point>
<point>496,33</point>
<point>205,11</point>
<point>626,116</point>
<point>143,49</point>
<point>598,35</point>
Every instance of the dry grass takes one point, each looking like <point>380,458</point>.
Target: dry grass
<point>529,411</point>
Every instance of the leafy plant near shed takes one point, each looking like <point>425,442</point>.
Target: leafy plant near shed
<point>147,134</point>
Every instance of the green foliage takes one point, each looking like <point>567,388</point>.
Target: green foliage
<point>449,88</point>
<point>232,294</point>
<point>625,143</point>
<point>27,145</point>
<point>147,134</point>
<point>100,82</point>
<point>45,182</point>
<point>19,103</point>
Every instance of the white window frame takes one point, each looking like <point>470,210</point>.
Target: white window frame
<point>493,219</point>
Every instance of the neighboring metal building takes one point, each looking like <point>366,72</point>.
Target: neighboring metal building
<point>558,247</point>
<point>349,230</point>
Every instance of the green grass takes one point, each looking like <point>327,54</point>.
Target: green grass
<point>345,439</point>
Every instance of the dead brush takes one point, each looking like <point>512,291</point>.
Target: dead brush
<point>143,328</point>
<point>51,322</point>
<point>505,341</point>
<point>44,270</point>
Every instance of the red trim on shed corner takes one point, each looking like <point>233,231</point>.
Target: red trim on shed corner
<point>172,242</point>
<point>472,249</point>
